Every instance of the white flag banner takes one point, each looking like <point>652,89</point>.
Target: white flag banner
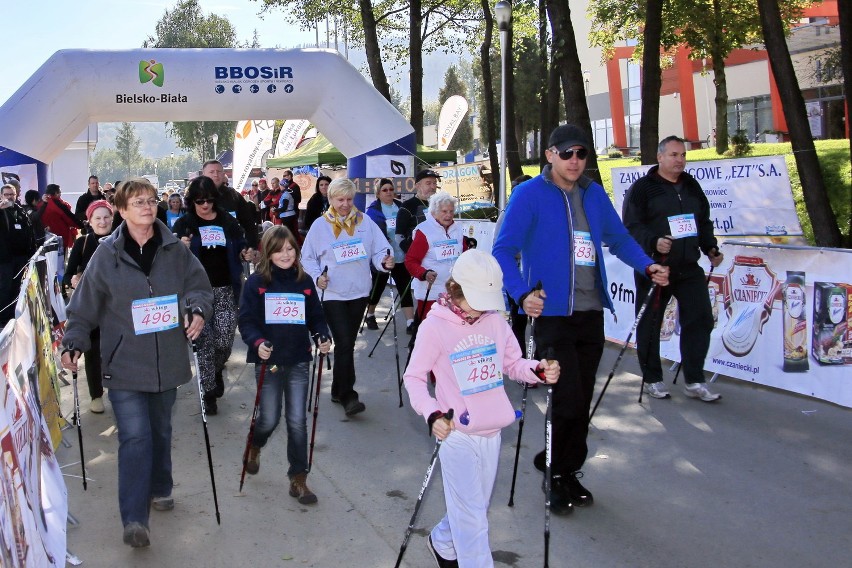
<point>390,166</point>
<point>748,196</point>
<point>451,116</point>
<point>291,134</point>
<point>251,141</point>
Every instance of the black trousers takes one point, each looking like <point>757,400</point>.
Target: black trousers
<point>688,285</point>
<point>402,279</point>
<point>344,319</point>
<point>577,342</point>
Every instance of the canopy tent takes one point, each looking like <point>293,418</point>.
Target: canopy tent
<point>320,151</point>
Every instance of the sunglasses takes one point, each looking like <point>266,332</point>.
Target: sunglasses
<point>386,189</point>
<point>582,153</point>
<point>203,201</point>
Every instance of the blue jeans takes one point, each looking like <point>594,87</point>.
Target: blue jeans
<point>290,383</point>
<point>144,421</point>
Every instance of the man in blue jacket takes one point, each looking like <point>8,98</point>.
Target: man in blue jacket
<point>558,222</point>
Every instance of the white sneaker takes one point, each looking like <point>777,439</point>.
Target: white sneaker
<point>700,390</point>
<point>656,390</point>
<point>97,405</point>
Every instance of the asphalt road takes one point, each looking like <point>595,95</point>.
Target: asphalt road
<point>759,478</point>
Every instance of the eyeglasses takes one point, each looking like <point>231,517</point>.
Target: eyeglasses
<point>254,185</point>
<point>203,201</point>
<point>386,189</point>
<point>582,153</point>
<point>140,203</point>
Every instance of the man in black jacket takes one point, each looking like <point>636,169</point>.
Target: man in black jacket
<point>92,194</point>
<point>232,202</point>
<point>17,245</point>
<point>413,210</point>
<point>667,213</point>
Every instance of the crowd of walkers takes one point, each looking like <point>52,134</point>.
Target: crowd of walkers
<point>195,267</point>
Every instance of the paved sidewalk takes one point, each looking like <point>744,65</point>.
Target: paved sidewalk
<point>760,478</point>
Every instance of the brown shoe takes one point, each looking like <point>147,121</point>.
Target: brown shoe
<point>300,491</point>
<point>253,461</point>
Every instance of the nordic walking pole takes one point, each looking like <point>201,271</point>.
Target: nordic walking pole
<point>79,424</point>
<point>396,345</point>
<point>419,319</point>
<point>322,302</point>
<point>447,416</point>
<point>321,339</point>
<point>250,437</point>
<point>194,346</point>
<point>395,304</point>
<point>530,355</point>
<point>624,347</point>
<point>548,452</point>
<point>313,370</point>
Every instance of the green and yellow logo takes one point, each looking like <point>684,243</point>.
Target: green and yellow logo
<point>151,71</point>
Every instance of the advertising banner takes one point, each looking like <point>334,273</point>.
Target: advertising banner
<point>452,113</point>
<point>465,182</point>
<point>252,141</point>
<point>292,132</point>
<point>748,196</point>
<point>781,317</point>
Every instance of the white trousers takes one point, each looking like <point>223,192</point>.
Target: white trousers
<point>468,469</point>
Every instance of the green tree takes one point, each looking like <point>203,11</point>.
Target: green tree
<point>186,26</point>
<point>823,219</point>
<point>463,138</point>
<point>127,149</point>
<point>724,25</point>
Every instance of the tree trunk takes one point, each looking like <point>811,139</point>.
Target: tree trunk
<point>826,231</point>
<point>844,10</point>
<point>652,80</point>
<point>567,62</point>
<point>544,122</point>
<point>373,50</point>
<point>719,80</point>
<point>513,157</point>
<point>488,95</point>
<point>415,50</point>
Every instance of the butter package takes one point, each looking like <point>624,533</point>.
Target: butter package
<point>829,323</point>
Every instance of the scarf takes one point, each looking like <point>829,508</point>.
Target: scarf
<point>445,300</point>
<point>347,224</point>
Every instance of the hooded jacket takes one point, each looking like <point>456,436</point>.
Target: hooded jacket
<point>649,203</point>
<point>444,333</point>
<point>537,224</point>
<point>291,342</point>
<point>151,362</point>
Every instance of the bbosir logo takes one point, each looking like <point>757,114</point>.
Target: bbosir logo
<point>151,71</point>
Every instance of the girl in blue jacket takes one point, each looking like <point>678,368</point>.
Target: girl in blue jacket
<point>279,305</point>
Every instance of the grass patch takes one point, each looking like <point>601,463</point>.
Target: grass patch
<point>833,159</point>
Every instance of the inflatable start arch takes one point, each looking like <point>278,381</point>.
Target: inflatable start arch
<point>77,87</point>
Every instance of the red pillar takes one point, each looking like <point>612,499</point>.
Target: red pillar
<point>616,99</point>
<point>778,121</point>
<point>689,116</point>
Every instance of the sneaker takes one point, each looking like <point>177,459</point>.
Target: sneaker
<point>97,405</point>
<point>354,407</point>
<point>210,406</point>
<point>656,390</point>
<point>409,329</point>
<point>300,491</point>
<point>371,322</point>
<point>700,390</point>
<point>335,399</point>
<point>219,391</point>
<point>253,461</point>
<point>136,535</point>
<point>560,503</point>
<point>577,494</point>
<point>163,503</point>
<point>440,560</point>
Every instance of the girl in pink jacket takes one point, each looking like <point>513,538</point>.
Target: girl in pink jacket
<point>468,346</point>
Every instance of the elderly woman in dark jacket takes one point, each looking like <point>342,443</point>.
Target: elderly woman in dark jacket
<point>217,239</point>
<point>136,288</point>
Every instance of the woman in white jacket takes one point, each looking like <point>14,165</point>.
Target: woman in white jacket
<point>344,242</point>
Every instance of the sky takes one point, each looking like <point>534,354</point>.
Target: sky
<point>36,29</point>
